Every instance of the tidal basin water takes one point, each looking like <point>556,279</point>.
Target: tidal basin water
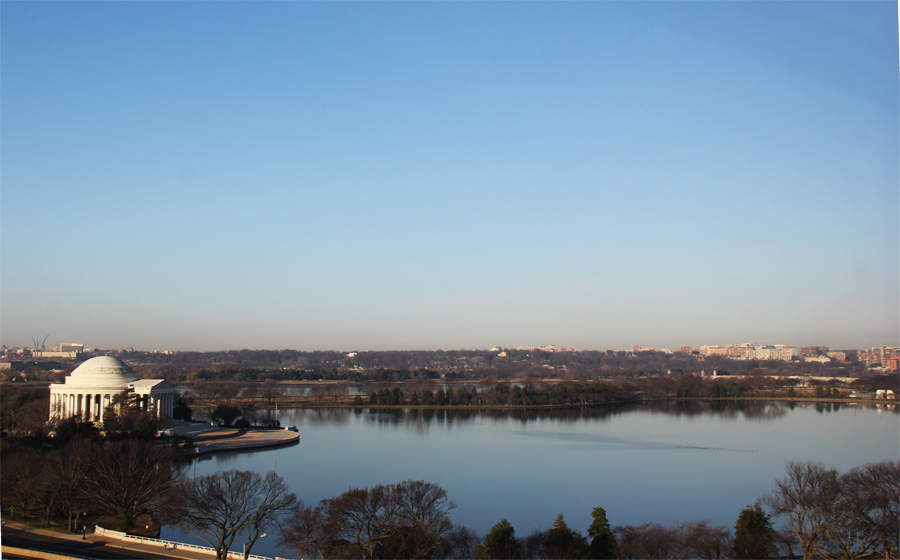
<point>664,462</point>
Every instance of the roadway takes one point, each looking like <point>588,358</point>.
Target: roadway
<point>21,536</point>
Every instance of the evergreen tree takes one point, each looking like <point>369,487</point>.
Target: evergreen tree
<point>499,543</point>
<point>603,541</point>
<point>754,536</point>
<point>563,542</point>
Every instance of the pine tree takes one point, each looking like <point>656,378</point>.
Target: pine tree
<point>603,541</point>
<point>754,536</point>
<point>500,542</point>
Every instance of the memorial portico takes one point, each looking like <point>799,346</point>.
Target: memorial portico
<point>90,388</point>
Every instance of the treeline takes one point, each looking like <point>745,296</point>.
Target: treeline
<point>80,478</point>
<point>826,515</point>
<point>69,469</point>
<point>256,374</point>
<point>294,365</point>
<point>528,394</point>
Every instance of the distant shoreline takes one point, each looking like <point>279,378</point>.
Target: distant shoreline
<point>296,404</point>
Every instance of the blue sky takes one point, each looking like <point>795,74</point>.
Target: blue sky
<point>424,175</point>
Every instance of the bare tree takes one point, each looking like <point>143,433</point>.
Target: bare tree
<point>805,497</point>
<point>270,389</point>
<point>700,539</point>
<point>251,390</point>
<point>361,518</point>
<point>218,507</point>
<point>65,472</point>
<point>423,520</point>
<point>867,514</point>
<point>660,542</point>
<point>128,476</point>
<point>20,478</point>
<point>308,532</point>
<point>649,540</point>
<point>337,390</point>
<point>460,543</point>
<point>203,390</point>
<point>405,520</point>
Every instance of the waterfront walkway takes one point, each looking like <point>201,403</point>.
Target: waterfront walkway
<point>211,439</point>
<point>22,540</point>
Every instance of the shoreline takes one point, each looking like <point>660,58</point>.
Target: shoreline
<point>299,404</point>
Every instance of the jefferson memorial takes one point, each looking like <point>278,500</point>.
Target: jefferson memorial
<point>91,386</point>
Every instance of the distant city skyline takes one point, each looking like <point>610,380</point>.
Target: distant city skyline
<point>443,175</point>
<point>79,348</point>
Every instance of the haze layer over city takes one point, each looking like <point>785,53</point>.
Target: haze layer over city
<point>352,176</point>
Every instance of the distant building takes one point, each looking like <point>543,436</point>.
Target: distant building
<point>550,348</point>
<point>748,351</point>
<point>810,351</point>
<point>69,351</point>
<point>68,355</point>
<point>877,356</point>
<point>817,359</point>
<point>777,352</point>
<point>89,389</point>
<point>684,350</point>
<point>734,351</point>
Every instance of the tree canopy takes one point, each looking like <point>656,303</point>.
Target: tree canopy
<point>219,506</point>
<point>754,536</point>
<point>499,543</point>
<point>409,519</point>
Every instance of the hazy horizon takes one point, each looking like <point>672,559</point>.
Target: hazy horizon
<point>425,175</point>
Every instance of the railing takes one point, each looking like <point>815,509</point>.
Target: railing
<point>118,535</point>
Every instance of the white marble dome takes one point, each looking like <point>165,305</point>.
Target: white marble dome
<point>102,371</point>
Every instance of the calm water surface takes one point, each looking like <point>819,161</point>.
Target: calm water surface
<point>658,463</point>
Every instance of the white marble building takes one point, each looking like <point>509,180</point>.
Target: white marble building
<point>92,385</point>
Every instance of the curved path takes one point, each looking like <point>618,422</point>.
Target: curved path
<point>22,536</point>
<point>211,439</point>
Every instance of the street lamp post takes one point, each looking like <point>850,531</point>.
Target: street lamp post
<point>246,551</point>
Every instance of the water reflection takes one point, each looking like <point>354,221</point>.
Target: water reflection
<point>423,417</point>
<point>654,462</point>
